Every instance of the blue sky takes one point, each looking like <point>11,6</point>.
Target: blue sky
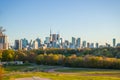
<point>91,20</point>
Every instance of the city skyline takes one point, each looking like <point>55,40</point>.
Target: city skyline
<point>56,41</point>
<point>93,21</point>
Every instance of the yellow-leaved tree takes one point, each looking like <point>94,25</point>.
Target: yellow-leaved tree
<point>1,72</point>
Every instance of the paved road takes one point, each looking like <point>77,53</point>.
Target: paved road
<point>33,78</point>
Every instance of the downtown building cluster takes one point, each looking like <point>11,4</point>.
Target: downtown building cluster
<point>55,41</point>
<point>52,41</point>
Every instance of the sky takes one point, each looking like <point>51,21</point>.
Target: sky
<point>91,20</point>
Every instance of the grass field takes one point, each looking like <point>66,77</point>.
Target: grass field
<point>60,73</point>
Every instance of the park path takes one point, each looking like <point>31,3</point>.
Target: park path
<point>33,78</point>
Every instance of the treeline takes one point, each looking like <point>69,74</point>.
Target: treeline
<point>87,61</point>
<point>98,58</point>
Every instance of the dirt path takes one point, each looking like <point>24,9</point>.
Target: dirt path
<point>33,78</point>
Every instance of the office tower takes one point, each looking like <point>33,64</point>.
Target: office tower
<point>78,42</point>
<point>61,41</point>
<point>35,44</point>
<point>39,42</point>
<point>30,44</point>
<point>88,45</point>
<point>54,37</point>
<point>73,42</point>
<point>66,44</point>
<point>54,44</point>
<point>84,44</point>
<point>18,44</point>
<point>114,42</point>
<point>3,39</point>
<point>24,43</point>
<point>58,37</point>
<point>92,45</point>
<point>47,40</point>
<point>97,45</point>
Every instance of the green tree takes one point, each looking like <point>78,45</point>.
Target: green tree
<point>8,55</point>
<point>40,59</point>
<point>0,55</point>
<point>20,56</point>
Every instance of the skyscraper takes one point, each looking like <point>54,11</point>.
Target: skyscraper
<point>97,45</point>
<point>78,42</point>
<point>39,42</point>
<point>88,45</point>
<point>114,42</point>
<point>66,44</point>
<point>92,45</point>
<point>24,43</point>
<point>84,44</point>
<point>73,40</point>
<point>35,44</point>
<point>54,37</point>
<point>18,44</point>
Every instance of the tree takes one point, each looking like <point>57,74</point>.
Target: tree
<point>31,57</point>
<point>8,55</point>
<point>0,55</point>
<point>40,59</point>
<point>1,72</point>
<point>20,56</point>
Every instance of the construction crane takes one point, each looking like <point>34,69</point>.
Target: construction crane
<point>2,30</point>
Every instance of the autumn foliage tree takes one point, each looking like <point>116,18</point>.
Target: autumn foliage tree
<point>1,72</point>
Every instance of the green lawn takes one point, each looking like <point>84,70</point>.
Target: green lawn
<point>61,73</point>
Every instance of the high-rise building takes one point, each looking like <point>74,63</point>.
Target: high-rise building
<point>73,45</point>
<point>58,37</point>
<point>97,45</point>
<point>88,45</point>
<point>66,44</point>
<point>18,44</point>
<point>114,42</point>
<point>39,42</point>
<point>54,38</point>
<point>61,41</point>
<point>3,39</point>
<point>84,44</point>
<point>47,40</point>
<point>24,43</point>
<point>30,44</point>
<point>35,44</point>
<point>78,42</point>
<point>73,41</point>
<point>92,45</point>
